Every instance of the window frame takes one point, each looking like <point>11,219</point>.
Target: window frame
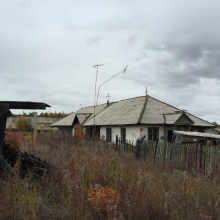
<point>152,135</point>
<point>123,131</point>
<point>108,134</point>
<point>87,131</point>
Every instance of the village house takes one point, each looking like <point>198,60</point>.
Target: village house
<point>130,119</point>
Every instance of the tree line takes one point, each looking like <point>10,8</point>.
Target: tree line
<point>58,114</point>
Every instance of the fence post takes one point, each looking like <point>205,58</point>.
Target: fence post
<point>155,150</point>
<point>204,160</point>
<point>138,148</point>
<point>116,146</point>
<point>164,152</point>
<point>201,152</point>
<point>145,149</point>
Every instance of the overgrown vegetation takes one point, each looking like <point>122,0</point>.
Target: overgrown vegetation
<point>93,182</point>
<point>23,123</point>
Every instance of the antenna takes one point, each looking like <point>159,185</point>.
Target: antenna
<point>96,66</point>
<point>123,71</point>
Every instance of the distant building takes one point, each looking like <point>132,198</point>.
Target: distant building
<point>43,122</point>
<point>130,119</point>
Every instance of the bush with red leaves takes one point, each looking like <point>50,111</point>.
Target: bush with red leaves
<point>13,138</point>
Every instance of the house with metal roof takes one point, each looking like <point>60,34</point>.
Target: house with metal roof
<point>140,117</point>
<point>69,124</point>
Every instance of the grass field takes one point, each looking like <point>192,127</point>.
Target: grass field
<point>95,183</point>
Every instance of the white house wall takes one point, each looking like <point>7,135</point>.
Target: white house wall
<point>132,132</point>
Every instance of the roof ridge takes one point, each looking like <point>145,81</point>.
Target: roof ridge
<point>92,106</point>
<point>143,110</point>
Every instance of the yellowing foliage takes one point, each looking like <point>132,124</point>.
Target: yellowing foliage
<point>23,123</point>
<point>29,138</point>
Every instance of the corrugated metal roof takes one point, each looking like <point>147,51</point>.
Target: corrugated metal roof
<point>197,134</point>
<point>81,114</point>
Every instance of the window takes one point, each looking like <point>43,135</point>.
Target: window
<point>123,134</point>
<point>153,134</point>
<point>109,134</point>
<point>88,131</point>
<point>75,128</point>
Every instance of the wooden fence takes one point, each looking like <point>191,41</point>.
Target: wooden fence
<point>192,158</point>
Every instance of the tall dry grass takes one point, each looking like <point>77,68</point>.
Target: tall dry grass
<point>129,188</point>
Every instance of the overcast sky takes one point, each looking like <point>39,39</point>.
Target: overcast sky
<point>171,47</point>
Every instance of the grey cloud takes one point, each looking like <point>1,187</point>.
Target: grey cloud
<point>181,64</point>
<point>47,50</point>
<point>93,40</point>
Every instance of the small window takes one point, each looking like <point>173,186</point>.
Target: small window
<point>123,134</point>
<point>153,134</point>
<point>88,131</point>
<point>109,134</point>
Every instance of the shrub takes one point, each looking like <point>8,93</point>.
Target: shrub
<point>103,199</point>
<point>29,138</point>
<point>23,123</point>
<point>13,139</point>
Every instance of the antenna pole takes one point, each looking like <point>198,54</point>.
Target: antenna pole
<point>123,71</point>
<point>96,66</point>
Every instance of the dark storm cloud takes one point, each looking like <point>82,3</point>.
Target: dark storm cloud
<point>186,61</point>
